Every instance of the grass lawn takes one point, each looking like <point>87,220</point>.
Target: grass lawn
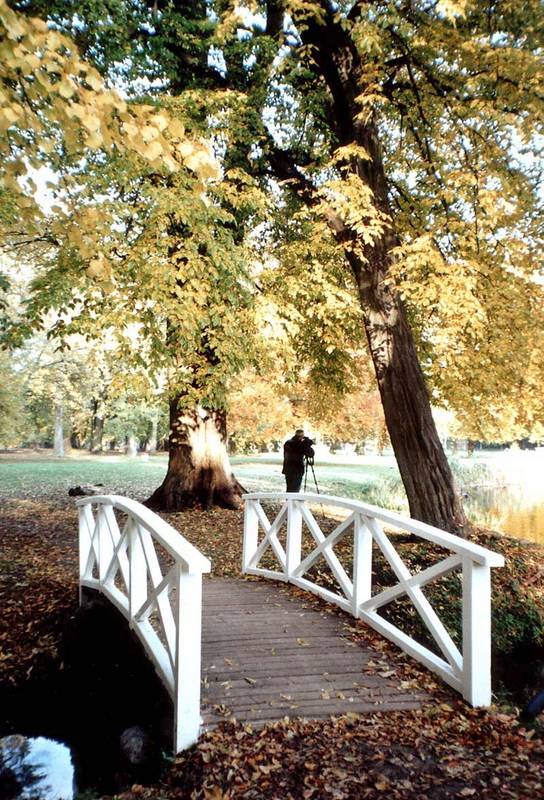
<point>36,475</point>
<point>40,475</point>
<point>502,490</point>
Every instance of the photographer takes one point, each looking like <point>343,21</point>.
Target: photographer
<point>295,450</point>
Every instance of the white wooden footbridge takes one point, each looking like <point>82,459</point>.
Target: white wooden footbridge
<point>246,650</point>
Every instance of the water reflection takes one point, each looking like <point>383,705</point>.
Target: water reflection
<point>35,769</point>
<point>515,509</point>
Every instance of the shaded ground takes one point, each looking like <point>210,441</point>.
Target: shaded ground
<point>446,751</point>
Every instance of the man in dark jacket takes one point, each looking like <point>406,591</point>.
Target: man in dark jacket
<point>295,450</point>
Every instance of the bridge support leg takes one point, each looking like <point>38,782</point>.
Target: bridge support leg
<point>251,534</point>
<point>294,538</point>
<point>187,661</point>
<point>362,564</point>
<point>476,633</point>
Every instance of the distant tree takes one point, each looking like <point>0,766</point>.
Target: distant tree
<point>259,413</point>
<point>14,421</point>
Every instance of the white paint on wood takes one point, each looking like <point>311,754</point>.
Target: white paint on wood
<point>480,555</point>
<point>477,633</point>
<point>162,606</point>
<point>362,562</point>
<point>468,672</point>
<point>294,537</point>
<point>251,530</point>
<point>187,658</point>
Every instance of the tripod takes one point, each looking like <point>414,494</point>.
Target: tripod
<point>310,462</point>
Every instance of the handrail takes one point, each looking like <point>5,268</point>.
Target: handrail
<point>162,602</point>
<point>166,535</point>
<point>468,672</point>
<point>481,555</point>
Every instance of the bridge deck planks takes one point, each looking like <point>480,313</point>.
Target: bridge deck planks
<point>266,655</point>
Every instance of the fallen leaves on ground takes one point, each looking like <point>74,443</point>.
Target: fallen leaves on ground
<point>445,750</point>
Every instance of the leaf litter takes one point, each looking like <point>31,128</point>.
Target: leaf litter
<point>444,750</point>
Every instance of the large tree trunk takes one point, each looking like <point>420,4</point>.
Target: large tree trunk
<point>425,472</point>
<point>199,472</point>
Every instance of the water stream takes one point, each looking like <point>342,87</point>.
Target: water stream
<point>509,509</point>
<point>106,705</point>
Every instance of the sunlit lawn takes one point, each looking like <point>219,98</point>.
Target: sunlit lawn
<point>41,474</point>
<point>513,501</point>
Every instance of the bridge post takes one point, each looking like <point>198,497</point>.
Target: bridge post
<point>137,594</point>
<point>187,659</point>
<point>86,530</point>
<point>362,563</point>
<point>105,544</point>
<point>476,633</point>
<point>294,537</point>
<point>251,534</point>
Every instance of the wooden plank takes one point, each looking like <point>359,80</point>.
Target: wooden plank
<point>285,666</point>
<point>288,641</point>
<point>302,683</point>
<point>312,712</point>
<point>256,694</point>
<point>251,657</point>
<point>318,704</point>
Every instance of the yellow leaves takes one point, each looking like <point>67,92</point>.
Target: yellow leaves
<point>66,88</point>
<point>95,140</point>
<point>343,155</point>
<point>14,28</point>
<point>149,133</point>
<point>353,201</point>
<point>53,40</point>
<point>451,9</point>
<point>99,267</point>
<point>161,121</point>
<point>10,114</point>
<point>304,10</point>
<point>90,122</point>
<point>176,129</point>
<point>93,79</point>
<point>95,268</point>
<point>202,163</point>
<point>43,81</point>
<point>152,151</point>
<point>130,129</point>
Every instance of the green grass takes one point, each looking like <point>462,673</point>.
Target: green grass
<point>43,476</point>
<point>369,482</point>
<point>373,479</point>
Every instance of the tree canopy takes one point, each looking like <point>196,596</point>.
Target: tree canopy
<point>398,143</point>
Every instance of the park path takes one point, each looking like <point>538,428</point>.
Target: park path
<point>267,655</point>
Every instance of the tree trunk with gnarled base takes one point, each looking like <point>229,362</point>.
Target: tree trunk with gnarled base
<point>199,472</point>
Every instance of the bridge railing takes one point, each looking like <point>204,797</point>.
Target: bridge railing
<point>154,578</point>
<point>469,671</point>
